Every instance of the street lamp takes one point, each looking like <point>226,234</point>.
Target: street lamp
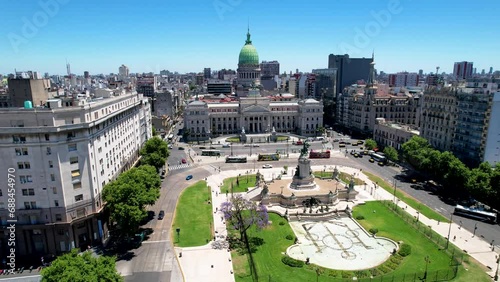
<point>498,263</point>
<point>427,261</point>
<point>418,216</point>
<point>395,186</point>
<point>475,228</point>
<point>449,232</point>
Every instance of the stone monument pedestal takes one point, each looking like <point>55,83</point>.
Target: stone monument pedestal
<point>303,178</point>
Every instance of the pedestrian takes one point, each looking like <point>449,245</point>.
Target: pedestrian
<point>454,237</point>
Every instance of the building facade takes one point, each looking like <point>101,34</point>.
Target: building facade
<point>61,157</point>
<point>387,133</point>
<point>463,70</point>
<point>403,79</point>
<point>269,68</point>
<point>203,120</point>
<point>349,70</point>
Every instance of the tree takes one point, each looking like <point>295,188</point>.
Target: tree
<point>127,196</point>
<point>370,144</point>
<point>155,152</point>
<point>416,150</point>
<point>242,214</point>
<point>83,267</point>
<point>154,131</point>
<point>155,145</point>
<point>391,153</point>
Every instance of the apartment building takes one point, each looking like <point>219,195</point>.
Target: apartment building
<point>61,155</point>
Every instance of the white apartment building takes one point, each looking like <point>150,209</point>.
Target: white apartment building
<point>61,155</point>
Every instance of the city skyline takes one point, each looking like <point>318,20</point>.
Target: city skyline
<point>186,37</point>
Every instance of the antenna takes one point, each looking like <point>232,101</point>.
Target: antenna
<point>437,70</point>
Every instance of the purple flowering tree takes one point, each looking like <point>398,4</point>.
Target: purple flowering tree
<point>241,214</point>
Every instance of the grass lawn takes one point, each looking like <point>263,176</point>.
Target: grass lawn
<point>346,177</point>
<point>244,181</point>
<point>323,174</point>
<point>282,138</point>
<point>270,268</point>
<point>412,202</point>
<point>233,139</point>
<point>393,227</point>
<point>193,216</point>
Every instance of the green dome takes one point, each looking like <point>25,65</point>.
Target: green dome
<point>248,54</point>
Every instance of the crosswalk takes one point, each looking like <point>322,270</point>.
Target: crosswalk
<point>176,167</point>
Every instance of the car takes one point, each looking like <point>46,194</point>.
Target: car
<point>255,145</point>
<point>381,163</point>
<point>212,148</point>
<point>365,152</point>
<point>183,161</point>
<point>189,177</point>
<point>226,145</point>
<point>170,146</point>
<point>417,186</point>
<point>354,144</point>
<point>360,142</point>
<point>181,148</point>
<point>341,145</point>
<point>202,148</point>
<point>299,143</point>
<point>267,166</point>
<point>161,215</point>
<point>356,155</point>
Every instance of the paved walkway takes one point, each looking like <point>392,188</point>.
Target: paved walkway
<point>207,264</point>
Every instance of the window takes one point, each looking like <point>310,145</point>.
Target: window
<point>1,193</point>
<point>60,231</point>
<point>51,165</point>
<point>79,198</point>
<point>21,151</point>
<point>54,190</point>
<point>47,137</point>
<point>58,217</point>
<point>75,173</point>
<point>28,192</point>
<point>56,203</point>
<point>77,185</point>
<point>23,165</point>
<point>49,151</point>
<point>52,177</point>
<point>25,179</point>
<point>73,160</point>
<point>30,205</point>
<point>71,147</point>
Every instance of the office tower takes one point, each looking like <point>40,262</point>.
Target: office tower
<point>462,70</point>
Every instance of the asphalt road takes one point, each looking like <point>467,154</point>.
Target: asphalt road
<point>154,260</point>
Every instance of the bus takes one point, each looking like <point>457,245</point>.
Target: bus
<point>170,137</point>
<point>319,155</point>
<point>210,153</point>
<point>475,213</point>
<point>268,157</point>
<point>378,158</point>
<point>236,159</point>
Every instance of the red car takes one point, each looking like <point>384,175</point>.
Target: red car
<point>184,161</point>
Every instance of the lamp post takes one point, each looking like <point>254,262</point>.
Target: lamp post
<point>475,228</point>
<point>498,263</point>
<point>395,186</point>
<point>287,147</point>
<point>449,232</point>
<point>418,216</point>
<point>427,261</point>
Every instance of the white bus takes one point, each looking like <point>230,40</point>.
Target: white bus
<point>378,158</point>
<point>476,214</point>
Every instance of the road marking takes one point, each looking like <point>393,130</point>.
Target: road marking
<point>152,242</point>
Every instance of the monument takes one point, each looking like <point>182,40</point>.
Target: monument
<point>273,137</point>
<point>243,136</point>
<point>303,179</point>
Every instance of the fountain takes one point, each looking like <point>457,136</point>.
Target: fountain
<point>303,179</point>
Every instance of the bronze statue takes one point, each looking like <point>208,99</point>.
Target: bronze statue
<point>304,150</point>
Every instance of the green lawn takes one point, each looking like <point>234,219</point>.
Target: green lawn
<point>410,201</point>
<point>268,256</point>
<point>282,138</point>
<point>392,226</point>
<point>346,177</point>
<point>233,139</point>
<point>193,215</point>
<point>244,182</point>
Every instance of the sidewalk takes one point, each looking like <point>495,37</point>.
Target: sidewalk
<point>207,264</point>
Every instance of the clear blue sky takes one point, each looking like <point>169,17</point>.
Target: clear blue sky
<point>186,36</point>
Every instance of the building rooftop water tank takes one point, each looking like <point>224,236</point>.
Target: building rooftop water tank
<point>28,105</point>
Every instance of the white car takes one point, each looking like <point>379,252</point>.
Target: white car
<point>170,146</point>
<point>267,166</point>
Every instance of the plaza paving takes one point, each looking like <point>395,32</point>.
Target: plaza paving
<point>338,244</point>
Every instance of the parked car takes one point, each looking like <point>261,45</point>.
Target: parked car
<point>183,161</point>
<point>267,166</point>
<point>189,177</point>
<point>170,146</point>
<point>161,215</point>
<point>372,160</point>
<point>381,163</point>
<point>226,145</point>
<point>181,148</point>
